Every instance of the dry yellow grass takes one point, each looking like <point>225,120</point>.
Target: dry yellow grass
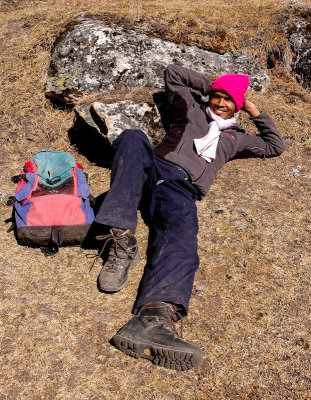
<point>250,309</point>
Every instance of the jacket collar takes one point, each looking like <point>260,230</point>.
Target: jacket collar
<point>235,126</point>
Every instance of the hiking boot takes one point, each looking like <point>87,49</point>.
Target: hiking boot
<point>123,255</point>
<point>151,334</point>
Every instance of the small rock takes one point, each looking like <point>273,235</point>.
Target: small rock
<point>261,315</point>
<point>243,211</point>
<point>296,171</point>
<point>303,343</point>
<point>200,288</point>
<point>3,194</point>
<point>240,225</point>
<point>221,209</point>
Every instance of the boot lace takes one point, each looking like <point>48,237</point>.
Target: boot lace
<point>117,249</point>
<point>173,315</point>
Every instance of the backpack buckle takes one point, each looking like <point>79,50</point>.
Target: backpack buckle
<point>54,180</point>
<point>11,201</point>
<point>17,178</point>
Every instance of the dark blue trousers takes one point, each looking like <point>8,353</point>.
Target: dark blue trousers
<point>166,200</point>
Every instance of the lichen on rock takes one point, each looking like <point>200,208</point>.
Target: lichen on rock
<point>91,56</point>
<point>111,119</point>
<point>299,36</point>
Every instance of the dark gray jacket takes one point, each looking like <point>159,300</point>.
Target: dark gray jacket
<point>190,121</point>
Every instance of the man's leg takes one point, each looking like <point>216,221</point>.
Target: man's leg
<point>132,161</point>
<point>166,286</point>
<point>172,248</point>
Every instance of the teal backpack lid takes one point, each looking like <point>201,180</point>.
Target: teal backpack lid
<point>54,167</point>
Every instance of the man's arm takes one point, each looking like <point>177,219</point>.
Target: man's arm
<point>178,80</point>
<point>250,108</point>
<point>269,142</point>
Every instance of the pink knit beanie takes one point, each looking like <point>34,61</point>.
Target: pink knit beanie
<point>233,84</point>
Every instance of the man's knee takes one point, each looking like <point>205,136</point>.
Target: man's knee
<point>132,135</point>
<point>132,139</point>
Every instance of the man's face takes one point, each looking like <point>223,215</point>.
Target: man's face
<point>222,105</point>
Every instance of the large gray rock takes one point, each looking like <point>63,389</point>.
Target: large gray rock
<point>91,56</point>
<point>299,36</point>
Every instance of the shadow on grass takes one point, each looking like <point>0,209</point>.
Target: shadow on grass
<point>90,143</point>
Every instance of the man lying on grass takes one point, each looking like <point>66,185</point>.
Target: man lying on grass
<point>165,182</point>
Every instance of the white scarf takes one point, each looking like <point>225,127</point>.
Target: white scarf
<point>207,145</point>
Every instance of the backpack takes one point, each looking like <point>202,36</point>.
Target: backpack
<point>52,202</point>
